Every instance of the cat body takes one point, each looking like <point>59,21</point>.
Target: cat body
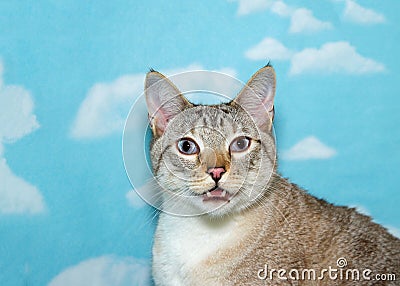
<point>231,251</point>
<point>239,219</point>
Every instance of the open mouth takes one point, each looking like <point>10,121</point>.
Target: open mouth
<point>216,194</point>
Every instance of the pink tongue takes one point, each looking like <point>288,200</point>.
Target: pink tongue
<point>216,195</point>
<point>216,192</point>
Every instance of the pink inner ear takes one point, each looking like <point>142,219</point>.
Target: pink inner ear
<point>159,122</point>
<point>269,106</point>
<point>164,101</point>
<point>157,117</point>
<point>263,113</point>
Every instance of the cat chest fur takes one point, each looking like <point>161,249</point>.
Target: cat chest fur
<point>182,247</point>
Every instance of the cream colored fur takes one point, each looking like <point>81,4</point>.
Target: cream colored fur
<point>268,220</point>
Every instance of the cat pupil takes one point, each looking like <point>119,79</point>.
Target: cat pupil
<point>186,146</point>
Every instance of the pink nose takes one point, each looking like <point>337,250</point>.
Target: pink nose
<point>216,172</point>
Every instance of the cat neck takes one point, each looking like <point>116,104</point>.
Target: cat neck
<point>186,241</point>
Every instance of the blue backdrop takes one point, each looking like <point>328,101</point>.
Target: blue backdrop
<point>70,71</point>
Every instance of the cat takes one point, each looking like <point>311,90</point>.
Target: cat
<point>219,161</point>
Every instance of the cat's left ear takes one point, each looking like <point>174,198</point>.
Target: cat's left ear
<point>164,101</point>
<point>257,97</point>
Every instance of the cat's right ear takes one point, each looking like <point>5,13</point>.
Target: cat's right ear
<point>164,101</point>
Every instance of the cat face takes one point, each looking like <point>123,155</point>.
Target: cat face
<point>212,159</point>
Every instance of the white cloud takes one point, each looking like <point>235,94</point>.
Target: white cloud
<point>105,271</point>
<point>222,82</point>
<point>282,9</point>
<point>309,148</point>
<point>16,120</point>
<point>303,20</point>
<point>393,230</point>
<point>250,6</point>
<point>353,12</point>
<point>333,57</point>
<point>16,112</point>
<point>340,57</point>
<point>149,194</point>
<point>269,49</point>
<point>16,195</point>
<point>363,210</point>
<point>106,106</point>
<point>134,200</point>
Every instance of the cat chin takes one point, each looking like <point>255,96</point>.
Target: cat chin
<point>219,203</point>
<point>216,208</point>
<point>236,205</point>
<point>209,207</point>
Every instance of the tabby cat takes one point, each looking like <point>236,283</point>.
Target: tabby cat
<point>254,227</point>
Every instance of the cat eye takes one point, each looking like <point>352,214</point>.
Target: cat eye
<point>187,146</point>
<point>240,144</point>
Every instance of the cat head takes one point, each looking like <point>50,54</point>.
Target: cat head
<point>213,159</point>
